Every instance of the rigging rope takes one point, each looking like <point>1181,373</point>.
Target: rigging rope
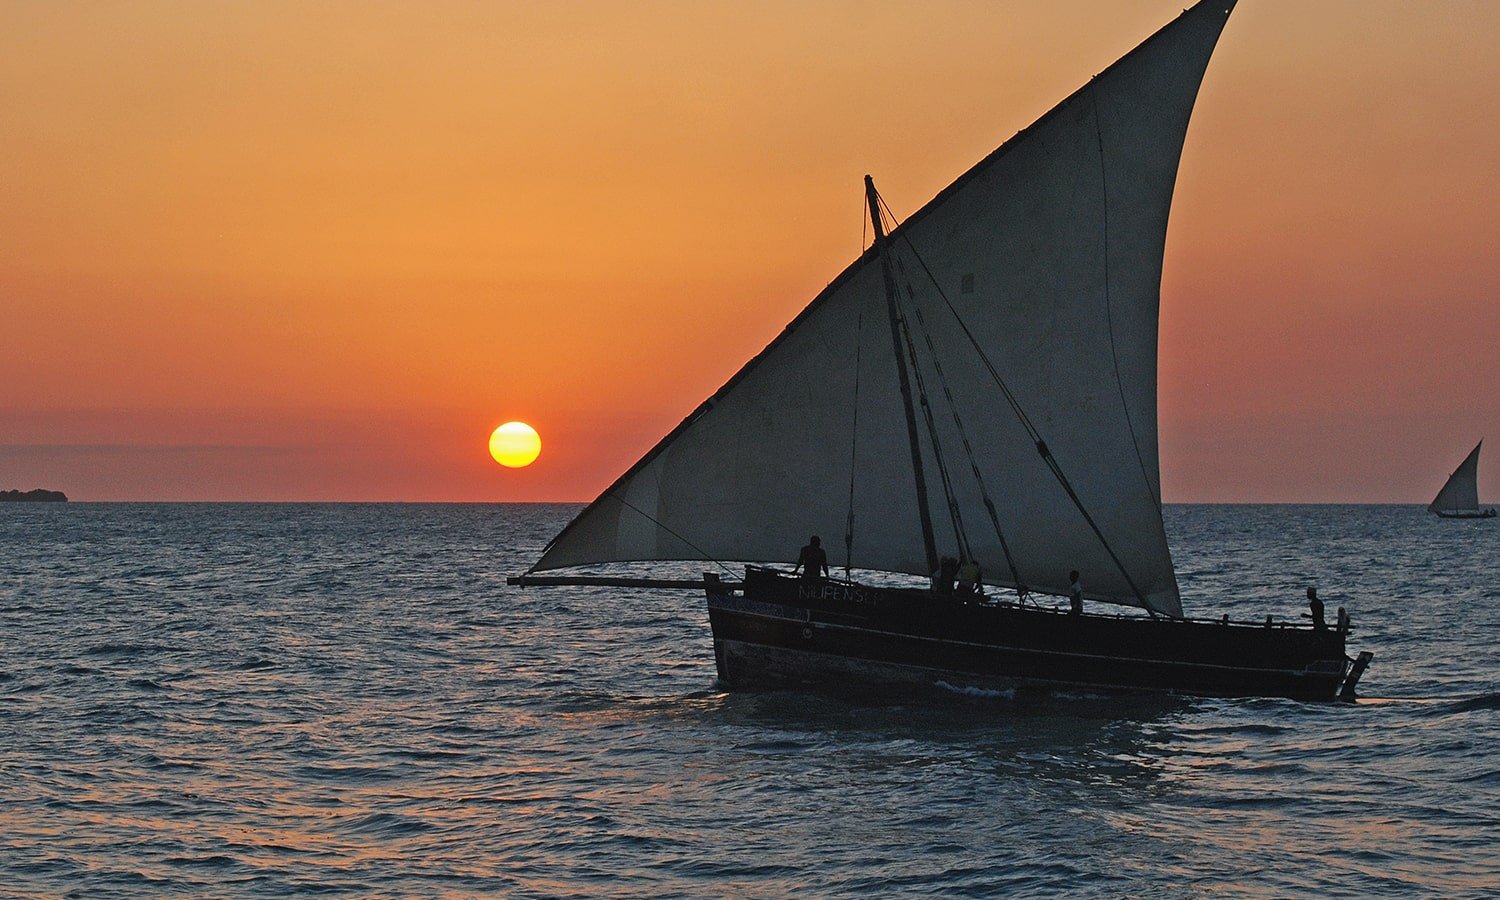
<point>954,513</point>
<point>950,495</point>
<point>658,524</point>
<point>1031,431</point>
<point>956,518</point>
<point>963,435</point>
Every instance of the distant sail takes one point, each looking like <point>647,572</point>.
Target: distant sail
<point>1461,493</point>
<point>1050,250</point>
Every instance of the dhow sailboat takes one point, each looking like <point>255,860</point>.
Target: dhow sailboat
<point>1459,498</point>
<point>972,401</point>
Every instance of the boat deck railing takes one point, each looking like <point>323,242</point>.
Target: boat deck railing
<point>995,602</point>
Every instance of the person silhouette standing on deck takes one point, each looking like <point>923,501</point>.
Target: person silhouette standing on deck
<point>1316,605</point>
<point>1075,594</point>
<point>812,560</point>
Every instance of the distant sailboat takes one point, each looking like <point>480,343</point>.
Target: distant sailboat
<point>1459,498</point>
<point>974,399</point>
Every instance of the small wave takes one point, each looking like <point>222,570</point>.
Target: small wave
<point>347,773</point>
<point>457,728</point>
<point>425,754</point>
<point>574,700</point>
<point>1491,777</point>
<point>1483,701</point>
<point>253,664</point>
<point>1289,769</point>
<point>1080,695</point>
<point>216,861</point>
<point>716,868</point>
<point>1248,728</point>
<point>527,799</point>
<point>287,849</point>
<point>152,761</point>
<point>118,650</point>
<point>55,864</point>
<point>1438,706</point>
<point>151,572</point>
<point>1399,701</point>
<point>144,684</point>
<point>389,824</point>
<point>775,746</point>
<point>1265,801</point>
<point>971,691</point>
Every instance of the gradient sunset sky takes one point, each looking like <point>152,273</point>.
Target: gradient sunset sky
<point>318,251</point>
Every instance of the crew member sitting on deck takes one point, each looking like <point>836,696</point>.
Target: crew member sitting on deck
<point>1317,609</point>
<point>1075,594</point>
<point>812,560</point>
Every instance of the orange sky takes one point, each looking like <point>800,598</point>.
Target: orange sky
<point>317,251</point>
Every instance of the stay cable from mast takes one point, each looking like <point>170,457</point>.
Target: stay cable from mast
<point>989,504</point>
<point>1015,406</point>
<point>658,524</point>
<point>954,513</point>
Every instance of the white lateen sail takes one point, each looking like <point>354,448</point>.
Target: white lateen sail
<point>1460,495</point>
<point>1039,270</point>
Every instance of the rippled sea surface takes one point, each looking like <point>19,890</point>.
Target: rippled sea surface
<point>271,699</point>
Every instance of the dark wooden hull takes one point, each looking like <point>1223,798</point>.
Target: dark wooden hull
<point>779,628</point>
<point>1466,514</point>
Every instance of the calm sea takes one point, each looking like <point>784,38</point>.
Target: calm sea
<point>271,699</point>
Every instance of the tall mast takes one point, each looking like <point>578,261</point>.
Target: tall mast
<point>883,251</point>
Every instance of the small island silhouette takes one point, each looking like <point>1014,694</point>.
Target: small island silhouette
<point>36,496</point>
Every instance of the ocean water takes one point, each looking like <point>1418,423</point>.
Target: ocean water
<point>265,700</point>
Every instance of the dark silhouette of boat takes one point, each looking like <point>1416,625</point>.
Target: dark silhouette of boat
<point>1459,498</point>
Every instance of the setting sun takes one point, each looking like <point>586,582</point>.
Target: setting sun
<point>515,445</point>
